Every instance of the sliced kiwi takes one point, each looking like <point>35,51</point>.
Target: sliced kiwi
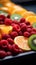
<point>3,13</point>
<point>16,17</point>
<point>34,25</point>
<point>32,42</point>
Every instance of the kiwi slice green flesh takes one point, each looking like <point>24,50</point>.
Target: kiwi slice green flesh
<point>34,25</point>
<point>32,42</point>
<point>16,17</point>
<point>3,13</point>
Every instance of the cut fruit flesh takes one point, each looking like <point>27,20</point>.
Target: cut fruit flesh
<point>31,19</point>
<point>5,29</point>
<point>16,17</point>
<point>22,43</point>
<point>28,13</point>
<point>32,42</point>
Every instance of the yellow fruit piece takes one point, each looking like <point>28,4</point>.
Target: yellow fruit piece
<point>5,29</point>
<point>22,42</point>
<point>29,13</point>
<point>31,19</point>
<point>18,10</point>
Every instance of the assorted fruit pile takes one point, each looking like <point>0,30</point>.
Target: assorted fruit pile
<point>17,35</point>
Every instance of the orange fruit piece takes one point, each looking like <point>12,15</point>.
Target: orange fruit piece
<point>31,19</point>
<point>22,42</point>
<point>29,13</point>
<point>18,10</point>
<point>5,29</point>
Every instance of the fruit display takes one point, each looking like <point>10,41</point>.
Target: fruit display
<point>17,29</point>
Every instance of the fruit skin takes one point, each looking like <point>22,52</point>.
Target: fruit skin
<point>9,53</point>
<point>5,36</point>
<point>26,34</point>
<point>3,44</point>
<point>30,42</point>
<point>2,17</point>
<point>13,34</point>
<point>16,28</point>
<point>8,21</point>
<point>22,20</point>
<point>11,41</point>
<point>2,54</point>
<point>16,49</point>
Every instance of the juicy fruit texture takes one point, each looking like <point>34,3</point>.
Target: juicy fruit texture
<point>31,19</point>
<point>32,41</point>
<point>34,25</point>
<point>27,14</point>
<point>16,17</point>
<point>22,42</point>
<point>5,29</point>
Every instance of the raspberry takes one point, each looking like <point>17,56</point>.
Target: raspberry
<point>29,26</point>
<point>23,27</point>
<point>22,20</point>
<point>16,28</point>
<point>13,34</point>
<point>26,34</point>
<point>9,53</point>
<point>2,17</point>
<point>11,41</point>
<point>27,23</point>
<point>33,32</point>
<point>1,22</point>
<point>20,33</point>
<point>9,48</point>
<point>15,49</point>
<point>5,36</point>
<point>8,21</point>
<point>33,29</point>
<point>8,16</point>
<point>15,21</point>
<point>29,29</point>
<point>4,43</point>
<point>2,54</point>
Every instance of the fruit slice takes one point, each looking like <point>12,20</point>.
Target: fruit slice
<point>5,29</point>
<point>18,10</point>
<point>3,13</point>
<point>31,19</point>
<point>32,42</point>
<point>16,17</point>
<point>29,13</point>
<point>22,42</point>
<point>34,25</point>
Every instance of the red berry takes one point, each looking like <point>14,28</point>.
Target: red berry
<point>2,54</point>
<point>4,43</point>
<point>2,17</point>
<point>8,21</point>
<point>5,36</point>
<point>9,48</point>
<point>15,21</point>
<point>22,20</point>
<point>27,23</point>
<point>26,34</point>
<point>23,27</point>
<point>33,32</point>
<point>11,41</point>
<point>13,34</point>
<point>29,26</point>
<point>9,53</point>
<point>33,29</point>
<point>20,33</point>
<point>29,29</point>
<point>16,28</point>
<point>8,16</point>
<point>15,49</point>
